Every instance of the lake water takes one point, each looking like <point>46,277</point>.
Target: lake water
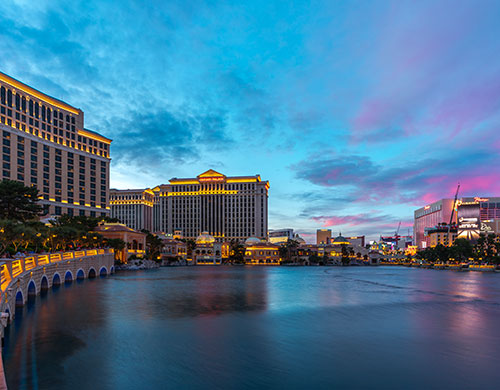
<point>261,328</point>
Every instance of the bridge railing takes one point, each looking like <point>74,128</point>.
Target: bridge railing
<point>12,268</point>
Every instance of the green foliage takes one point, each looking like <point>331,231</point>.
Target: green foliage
<point>486,249</point>
<point>287,250</point>
<point>18,202</point>
<point>345,255</point>
<point>315,259</point>
<point>154,245</point>
<point>237,252</point>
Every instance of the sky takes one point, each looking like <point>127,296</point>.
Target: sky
<point>357,112</point>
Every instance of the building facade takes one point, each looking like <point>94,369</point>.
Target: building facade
<point>45,144</point>
<point>323,236</point>
<point>278,236</point>
<point>134,208</point>
<point>478,215</point>
<point>135,242</point>
<point>225,207</point>
<point>429,216</point>
<point>473,216</point>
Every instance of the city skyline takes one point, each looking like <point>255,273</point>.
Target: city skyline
<point>357,117</point>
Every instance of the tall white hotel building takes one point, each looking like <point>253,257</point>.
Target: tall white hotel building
<point>226,207</point>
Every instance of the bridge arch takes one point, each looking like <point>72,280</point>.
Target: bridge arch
<point>7,310</point>
<point>44,283</point>
<point>103,272</point>
<point>92,273</point>
<point>19,299</point>
<point>80,275</point>
<point>56,280</point>
<point>112,270</point>
<point>68,277</point>
<point>31,289</point>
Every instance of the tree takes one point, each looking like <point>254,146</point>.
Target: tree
<point>237,252</point>
<point>287,249</point>
<point>154,245</point>
<point>461,249</point>
<point>345,254</point>
<point>315,259</point>
<point>118,245</point>
<point>18,202</point>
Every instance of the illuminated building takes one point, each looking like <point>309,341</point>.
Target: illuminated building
<point>207,251</point>
<point>477,215</point>
<point>135,241</point>
<point>473,215</point>
<point>45,144</point>
<point>134,208</point>
<point>428,217</point>
<point>224,207</point>
<point>258,252</point>
<point>357,240</point>
<point>173,249</point>
<point>323,236</point>
<point>277,236</point>
<point>442,235</point>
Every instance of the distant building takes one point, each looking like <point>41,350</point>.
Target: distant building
<point>45,144</point>
<point>478,215</point>
<point>226,207</point>
<point>357,240</point>
<point>428,217</point>
<point>135,241</point>
<point>442,235</point>
<point>207,250</point>
<point>473,216</point>
<point>134,208</point>
<point>323,236</point>
<point>278,236</point>
<point>261,253</point>
<point>173,249</point>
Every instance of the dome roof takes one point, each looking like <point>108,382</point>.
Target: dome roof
<point>340,240</point>
<point>300,240</point>
<point>205,238</point>
<point>252,241</point>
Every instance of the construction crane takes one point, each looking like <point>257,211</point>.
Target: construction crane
<point>452,213</point>
<point>396,235</point>
<point>454,205</point>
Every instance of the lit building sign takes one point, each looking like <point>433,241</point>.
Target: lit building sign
<point>478,199</point>
<point>468,221</point>
<point>211,179</point>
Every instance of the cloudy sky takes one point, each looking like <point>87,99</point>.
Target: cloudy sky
<point>357,112</point>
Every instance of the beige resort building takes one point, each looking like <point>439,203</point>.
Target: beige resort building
<point>225,207</point>
<point>45,144</point>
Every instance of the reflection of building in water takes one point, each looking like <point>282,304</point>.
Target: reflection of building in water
<point>213,291</point>
<point>48,330</point>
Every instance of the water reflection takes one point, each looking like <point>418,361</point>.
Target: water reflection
<point>232,327</point>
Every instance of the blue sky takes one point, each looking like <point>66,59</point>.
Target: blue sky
<point>357,112</point>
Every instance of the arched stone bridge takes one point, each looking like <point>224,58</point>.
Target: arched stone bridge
<point>28,276</point>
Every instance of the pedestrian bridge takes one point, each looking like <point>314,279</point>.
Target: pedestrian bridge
<point>28,276</point>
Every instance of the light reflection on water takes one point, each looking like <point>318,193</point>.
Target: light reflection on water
<point>239,327</point>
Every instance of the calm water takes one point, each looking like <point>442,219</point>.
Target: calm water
<point>259,328</point>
